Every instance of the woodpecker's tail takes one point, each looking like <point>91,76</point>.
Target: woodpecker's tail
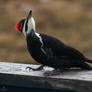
<point>89,61</point>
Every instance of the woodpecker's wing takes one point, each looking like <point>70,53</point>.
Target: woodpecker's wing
<point>60,49</point>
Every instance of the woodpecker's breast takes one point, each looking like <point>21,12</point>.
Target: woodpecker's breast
<point>35,47</point>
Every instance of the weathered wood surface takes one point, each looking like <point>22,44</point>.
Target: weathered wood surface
<point>13,74</point>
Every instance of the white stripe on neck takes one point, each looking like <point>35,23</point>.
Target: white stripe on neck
<point>38,35</point>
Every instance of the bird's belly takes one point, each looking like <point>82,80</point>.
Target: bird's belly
<point>38,55</point>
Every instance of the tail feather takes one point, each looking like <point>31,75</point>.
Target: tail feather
<point>89,61</point>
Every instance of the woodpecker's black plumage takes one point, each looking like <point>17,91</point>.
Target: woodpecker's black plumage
<point>58,55</point>
<point>49,51</point>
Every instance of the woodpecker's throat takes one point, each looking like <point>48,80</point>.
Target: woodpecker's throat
<point>28,26</point>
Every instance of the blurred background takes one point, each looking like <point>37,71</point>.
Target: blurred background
<point>68,20</point>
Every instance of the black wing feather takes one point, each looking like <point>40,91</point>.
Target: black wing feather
<point>60,49</point>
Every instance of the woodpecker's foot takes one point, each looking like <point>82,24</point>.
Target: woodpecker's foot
<point>35,69</point>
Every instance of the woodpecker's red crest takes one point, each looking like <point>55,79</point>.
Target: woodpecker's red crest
<point>18,27</point>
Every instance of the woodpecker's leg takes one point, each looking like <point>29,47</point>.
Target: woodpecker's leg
<point>35,69</point>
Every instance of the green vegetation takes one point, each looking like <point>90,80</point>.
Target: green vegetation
<point>68,20</point>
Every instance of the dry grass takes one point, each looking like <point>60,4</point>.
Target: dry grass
<point>68,20</point>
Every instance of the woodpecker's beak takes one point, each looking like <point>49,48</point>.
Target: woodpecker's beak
<point>17,27</point>
<point>29,15</point>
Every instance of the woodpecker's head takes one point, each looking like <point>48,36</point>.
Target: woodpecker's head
<point>26,25</point>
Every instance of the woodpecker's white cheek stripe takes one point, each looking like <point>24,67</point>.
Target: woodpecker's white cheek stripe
<point>24,29</point>
<point>31,25</point>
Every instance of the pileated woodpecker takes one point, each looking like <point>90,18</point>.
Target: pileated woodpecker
<point>48,50</point>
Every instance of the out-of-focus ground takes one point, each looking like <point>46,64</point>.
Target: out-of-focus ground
<point>68,20</point>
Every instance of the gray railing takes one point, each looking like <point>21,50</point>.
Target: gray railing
<point>15,78</point>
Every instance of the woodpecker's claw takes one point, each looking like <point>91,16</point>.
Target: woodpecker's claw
<point>37,69</point>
